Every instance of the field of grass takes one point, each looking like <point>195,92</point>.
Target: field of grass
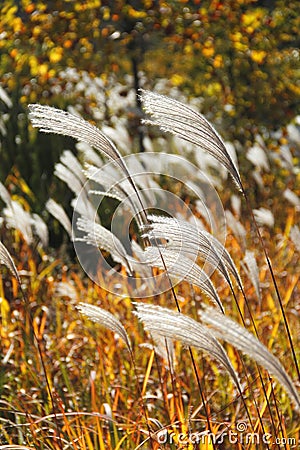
<point>69,383</point>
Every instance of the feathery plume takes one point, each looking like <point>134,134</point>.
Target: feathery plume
<point>109,179</point>
<point>83,206</point>
<point>99,236</point>
<point>175,117</point>
<point>106,319</point>
<point>70,161</point>
<point>257,156</point>
<point>253,272</point>
<point>230,331</point>
<point>121,189</point>
<point>16,217</point>
<point>178,266</point>
<point>7,261</point>
<point>236,204</point>
<point>264,216</point>
<point>64,289</point>
<point>89,154</point>
<point>53,120</point>
<point>295,236</point>
<point>4,194</point>
<point>138,262</point>
<point>176,326</point>
<point>5,98</point>
<point>164,348</point>
<point>118,134</point>
<point>58,212</point>
<point>67,176</point>
<point>41,229</point>
<point>292,197</point>
<point>236,227</point>
<point>180,235</point>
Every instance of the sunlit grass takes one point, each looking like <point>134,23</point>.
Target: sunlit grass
<point>66,382</point>
<point>96,401</point>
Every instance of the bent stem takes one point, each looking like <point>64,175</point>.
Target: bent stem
<point>286,324</point>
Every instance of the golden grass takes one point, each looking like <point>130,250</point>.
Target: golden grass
<point>95,402</point>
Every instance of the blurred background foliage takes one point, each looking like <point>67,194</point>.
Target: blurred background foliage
<point>239,57</point>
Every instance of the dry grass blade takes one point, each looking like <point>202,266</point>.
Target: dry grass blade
<point>7,260</point>
<point>230,331</point>
<point>99,236</point>
<point>106,319</point>
<point>180,267</point>
<point>176,326</point>
<point>165,349</point>
<point>174,117</point>
<point>58,212</point>
<point>15,447</point>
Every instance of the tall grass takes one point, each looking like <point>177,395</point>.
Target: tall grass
<point>77,388</point>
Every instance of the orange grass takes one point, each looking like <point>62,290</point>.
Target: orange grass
<point>95,401</point>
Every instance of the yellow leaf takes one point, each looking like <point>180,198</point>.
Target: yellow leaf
<point>5,310</point>
<point>177,79</point>
<point>239,41</point>
<point>33,63</point>
<point>24,187</point>
<point>56,54</point>
<point>68,43</point>
<point>17,25</point>
<point>36,31</point>
<point>240,46</point>
<point>218,61</point>
<point>106,13</point>
<point>9,13</point>
<point>258,56</point>
<point>253,18</point>
<point>214,88</point>
<point>43,69</point>
<point>208,51</point>
<point>136,14</point>
<point>232,356</point>
<point>13,53</point>
<point>29,8</point>
<point>52,73</point>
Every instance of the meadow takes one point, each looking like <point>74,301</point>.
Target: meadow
<point>175,325</point>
